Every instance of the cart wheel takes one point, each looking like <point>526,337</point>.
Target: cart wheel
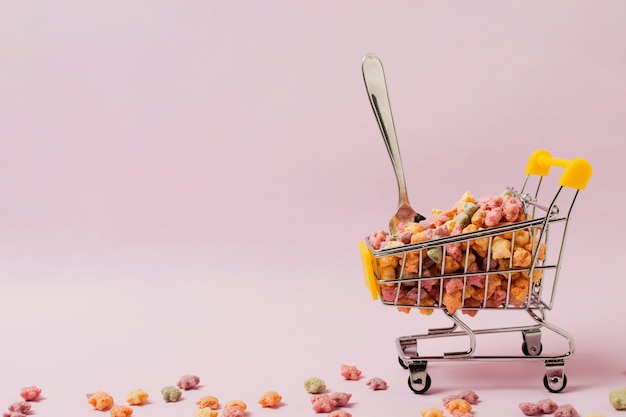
<point>555,384</point>
<point>537,352</point>
<point>418,389</point>
<point>401,362</point>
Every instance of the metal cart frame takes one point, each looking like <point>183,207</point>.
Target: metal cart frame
<point>547,226</point>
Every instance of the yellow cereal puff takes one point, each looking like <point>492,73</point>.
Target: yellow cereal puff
<point>519,291</point>
<point>458,405</point>
<point>450,265</point>
<point>411,263</point>
<point>500,248</point>
<point>541,250</point>
<point>236,403</point>
<point>388,262</point>
<point>270,399</point>
<point>419,237</point>
<point>432,412</point>
<point>137,397</point>
<point>521,258</point>
<point>205,412</point>
<point>121,411</point>
<point>101,400</point>
<point>478,218</point>
<point>480,246</point>
<point>405,310</point>
<point>522,238</point>
<point>387,273</point>
<point>414,227</point>
<point>453,301</point>
<point>208,401</point>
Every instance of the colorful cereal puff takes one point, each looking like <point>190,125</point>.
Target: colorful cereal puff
<point>137,397</point>
<point>170,393</point>
<point>432,412</point>
<point>376,384</point>
<point>20,407</point>
<point>314,385</point>
<point>270,399</point>
<point>350,372</point>
<point>236,403</point>
<point>341,399</point>
<point>323,403</point>
<point>339,413</point>
<point>30,393</point>
<point>121,411</point>
<point>233,412</point>
<point>100,400</point>
<point>188,382</point>
<point>205,412</point>
<point>617,398</point>
<point>208,401</point>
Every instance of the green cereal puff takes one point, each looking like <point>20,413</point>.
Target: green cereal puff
<point>436,254</point>
<point>617,398</point>
<point>314,386</point>
<point>171,394</point>
<point>470,208</point>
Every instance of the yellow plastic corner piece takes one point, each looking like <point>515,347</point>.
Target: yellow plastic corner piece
<point>576,174</point>
<point>367,262</point>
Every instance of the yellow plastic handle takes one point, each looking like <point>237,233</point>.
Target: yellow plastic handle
<point>368,270</point>
<point>576,174</point>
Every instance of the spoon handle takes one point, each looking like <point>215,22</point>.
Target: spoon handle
<point>376,85</point>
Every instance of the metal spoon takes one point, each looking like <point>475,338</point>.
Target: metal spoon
<point>376,86</point>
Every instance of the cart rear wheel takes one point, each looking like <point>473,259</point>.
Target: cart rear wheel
<point>418,388</point>
<point>555,384</point>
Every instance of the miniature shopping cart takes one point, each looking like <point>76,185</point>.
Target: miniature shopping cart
<point>530,287</point>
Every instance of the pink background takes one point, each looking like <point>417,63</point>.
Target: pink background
<point>184,185</point>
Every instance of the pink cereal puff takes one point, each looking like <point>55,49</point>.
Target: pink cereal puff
<point>13,414</point>
<point>233,412</point>
<point>529,409</point>
<point>339,413</point>
<point>565,410</point>
<point>377,384</point>
<point>121,411</point>
<point>341,398</point>
<point>349,372</point>
<point>30,393</point>
<point>20,407</point>
<point>322,403</point>
<point>547,406</point>
<point>188,382</point>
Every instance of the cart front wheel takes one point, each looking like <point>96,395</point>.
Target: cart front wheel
<point>419,388</point>
<point>401,362</point>
<point>555,384</point>
<point>534,351</point>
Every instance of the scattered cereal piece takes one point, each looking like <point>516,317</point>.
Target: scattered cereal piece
<point>376,384</point>
<point>100,400</point>
<point>339,413</point>
<point>13,414</point>
<point>341,398</point>
<point>137,397</point>
<point>323,403</point>
<point>547,406</point>
<point>617,398</point>
<point>350,372</point>
<point>30,393</point>
<point>432,412</point>
<point>171,393</point>
<point>187,382</point>
<point>20,407</point>
<point>205,412</point>
<point>236,403</point>
<point>121,411</point>
<point>565,410</point>
<point>270,399</point>
<point>314,385</point>
<point>208,401</point>
<point>529,409</point>
<point>467,395</point>
<point>458,405</point>
<point>233,412</point>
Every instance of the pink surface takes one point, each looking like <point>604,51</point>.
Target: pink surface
<point>184,186</point>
